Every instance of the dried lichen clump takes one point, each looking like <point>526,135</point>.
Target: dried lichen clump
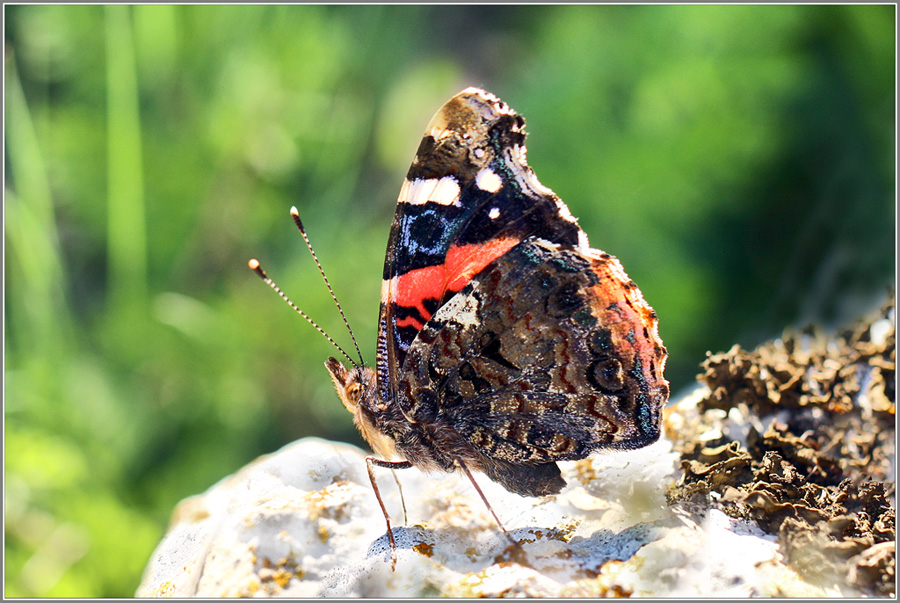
<point>799,435</point>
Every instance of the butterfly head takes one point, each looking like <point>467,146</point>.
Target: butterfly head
<point>356,388</point>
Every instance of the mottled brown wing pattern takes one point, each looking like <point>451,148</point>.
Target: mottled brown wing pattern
<point>542,357</point>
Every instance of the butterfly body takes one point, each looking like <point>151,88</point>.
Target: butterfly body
<point>506,343</point>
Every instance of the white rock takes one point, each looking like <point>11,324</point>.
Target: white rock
<point>304,522</point>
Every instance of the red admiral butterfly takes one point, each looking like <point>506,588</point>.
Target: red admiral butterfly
<point>505,343</point>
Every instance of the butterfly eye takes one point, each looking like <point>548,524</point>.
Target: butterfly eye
<point>355,392</point>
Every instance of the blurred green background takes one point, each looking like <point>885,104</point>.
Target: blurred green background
<point>739,160</point>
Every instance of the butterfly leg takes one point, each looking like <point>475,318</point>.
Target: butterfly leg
<point>371,463</point>
<point>484,499</point>
<point>402,498</point>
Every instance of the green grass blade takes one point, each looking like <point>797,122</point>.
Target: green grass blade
<point>37,296</point>
<point>127,233</point>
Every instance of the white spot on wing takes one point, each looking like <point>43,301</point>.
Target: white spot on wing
<point>488,180</point>
<point>494,213</point>
<point>446,192</point>
<point>443,191</point>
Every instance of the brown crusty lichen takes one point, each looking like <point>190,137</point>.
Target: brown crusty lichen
<point>798,435</point>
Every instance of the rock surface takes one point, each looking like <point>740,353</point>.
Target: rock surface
<point>303,522</point>
<point>775,478</point>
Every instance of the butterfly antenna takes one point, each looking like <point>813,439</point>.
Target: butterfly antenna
<point>296,216</point>
<point>255,267</point>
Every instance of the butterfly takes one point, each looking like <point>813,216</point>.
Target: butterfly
<point>505,342</point>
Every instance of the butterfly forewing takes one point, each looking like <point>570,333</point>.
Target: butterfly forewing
<point>468,198</point>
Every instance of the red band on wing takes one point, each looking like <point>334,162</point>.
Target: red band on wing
<point>412,321</point>
<point>463,262</point>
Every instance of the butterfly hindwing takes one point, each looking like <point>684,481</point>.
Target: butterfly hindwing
<point>539,359</point>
